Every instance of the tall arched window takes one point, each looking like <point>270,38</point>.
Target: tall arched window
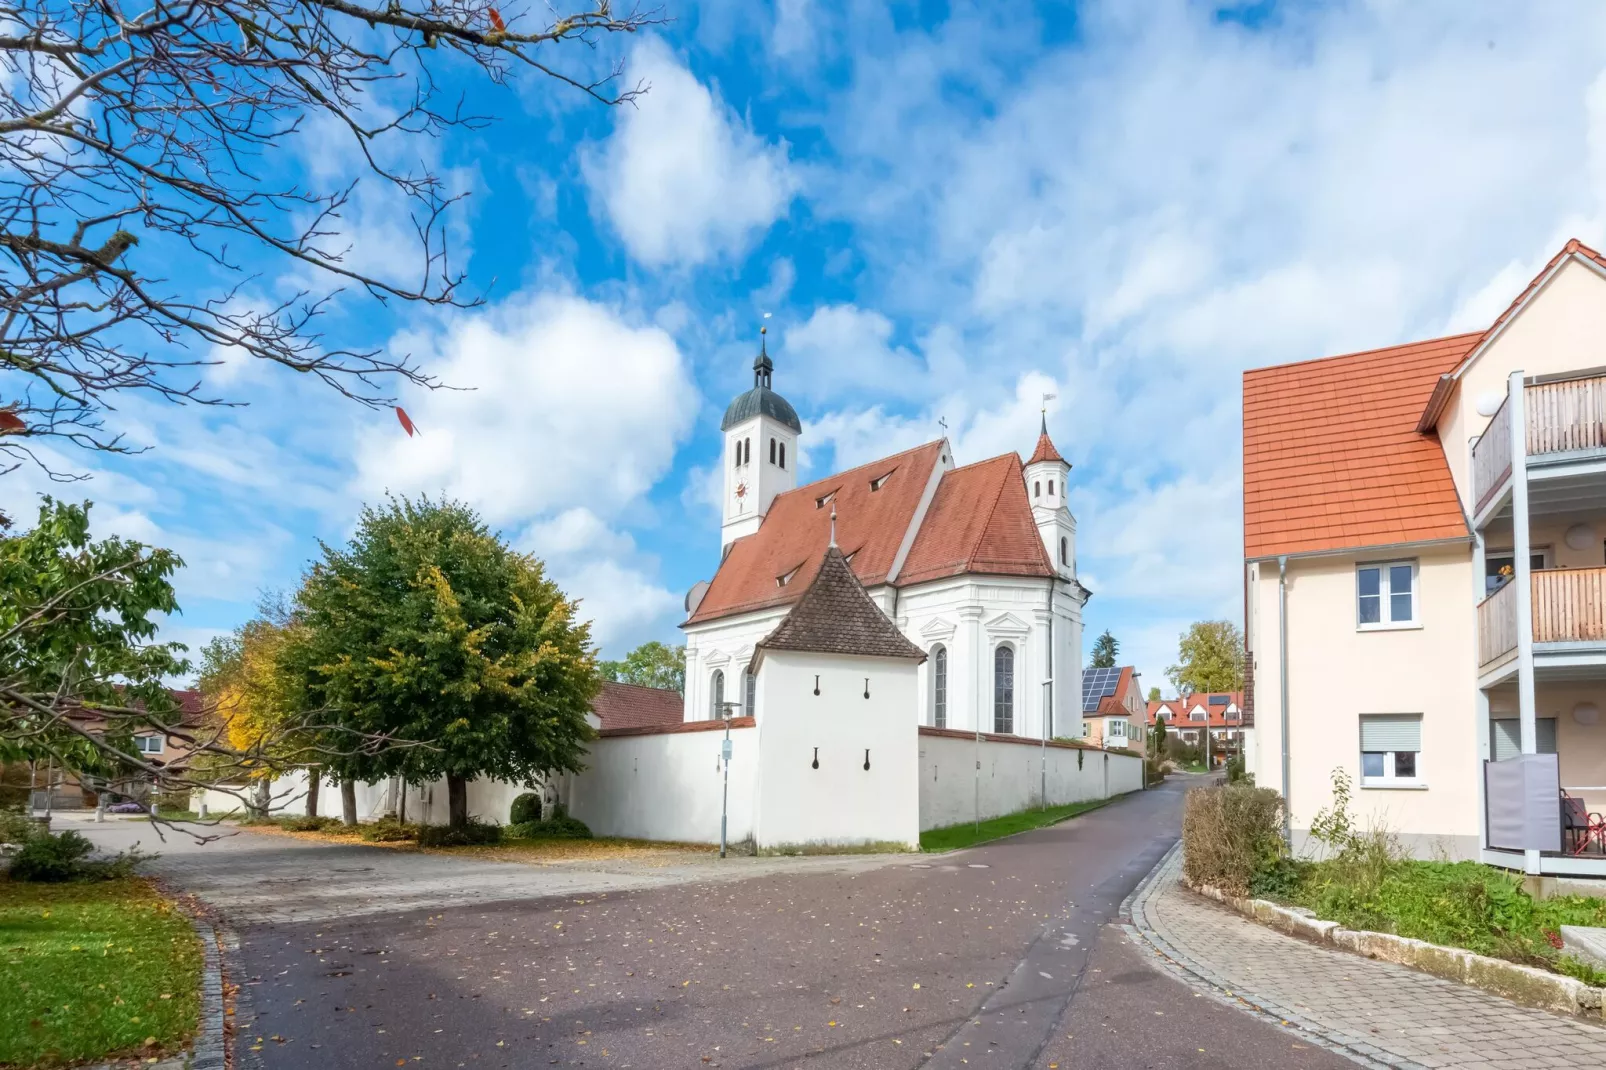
<point>1004,689</point>
<point>783,455</point>
<point>1065,552</point>
<point>1051,488</point>
<point>716,694</point>
<point>1037,490</point>
<point>772,451</point>
<point>736,457</point>
<point>939,687</point>
<point>749,691</point>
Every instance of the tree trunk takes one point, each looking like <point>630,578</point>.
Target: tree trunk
<point>312,792</point>
<point>348,801</point>
<point>456,801</point>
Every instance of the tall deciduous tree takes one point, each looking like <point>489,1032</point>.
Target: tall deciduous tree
<point>1106,648</point>
<point>1210,657</point>
<point>428,629</point>
<point>160,159</point>
<point>652,664</point>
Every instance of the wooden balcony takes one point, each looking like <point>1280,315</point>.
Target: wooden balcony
<point>1569,606</point>
<point>1567,416</point>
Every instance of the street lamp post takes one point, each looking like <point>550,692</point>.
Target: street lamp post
<point>726,712</point>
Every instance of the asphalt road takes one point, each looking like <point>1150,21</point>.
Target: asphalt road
<point>1000,957</point>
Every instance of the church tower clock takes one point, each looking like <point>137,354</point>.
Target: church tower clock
<point>760,460</point>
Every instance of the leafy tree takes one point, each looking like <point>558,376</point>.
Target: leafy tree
<point>81,672</point>
<point>1154,694</point>
<point>427,630</point>
<point>652,664</point>
<point>1105,650</point>
<point>153,179</point>
<point>1157,736</point>
<point>1210,657</point>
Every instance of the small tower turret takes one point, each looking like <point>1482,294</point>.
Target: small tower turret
<point>1046,476</point>
<point>760,460</point>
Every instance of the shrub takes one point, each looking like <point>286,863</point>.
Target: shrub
<point>472,833</point>
<point>47,858</point>
<point>1154,770</point>
<point>559,827</point>
<point>17,827</point>
<point>1236,773</point>
<point>526,808</point>
<point>304,823</point>
<point>389,830</point>
<point>1229,834</point>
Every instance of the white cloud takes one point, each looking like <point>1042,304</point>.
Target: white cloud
<point>683,179</point>
<point>562,401</point>
<point>844,349</point>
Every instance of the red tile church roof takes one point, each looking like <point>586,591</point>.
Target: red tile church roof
<point>979,521</point>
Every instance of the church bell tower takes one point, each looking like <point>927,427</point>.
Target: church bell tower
<point>760,459</point>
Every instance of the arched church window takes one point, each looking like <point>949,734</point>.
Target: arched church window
<point>747,451</point>
<point>1004,689</point>
<point>1065,552</point>
<point>749,692</point>
<point>716,694</point>
<point>1051,488</point>
<point>772,451</point>
<point>1037,489</point>
<point>783,455</point>
<point>939,687</point>
<point>736,457</point>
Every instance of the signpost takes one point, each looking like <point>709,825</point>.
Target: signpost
<point>726,713</point>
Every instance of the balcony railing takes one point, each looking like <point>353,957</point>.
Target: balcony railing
<point>1497,624</point>
<point>1569,606</point>
<point>1560,417</point>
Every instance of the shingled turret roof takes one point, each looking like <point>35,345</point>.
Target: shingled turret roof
<point>837,616</point>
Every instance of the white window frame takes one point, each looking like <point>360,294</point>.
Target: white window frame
<point>144,743</point>
<point>1390,778</point>
<point>1386,623</point>
<point>1117,728</point>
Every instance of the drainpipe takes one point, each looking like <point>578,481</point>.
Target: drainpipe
<point>1282,682</point>
<point>1048,697</point>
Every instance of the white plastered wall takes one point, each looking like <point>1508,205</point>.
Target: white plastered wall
<point>1337,672</point>
<point>666,786</point>
<point>1010,777</point>
<point>839,802</point>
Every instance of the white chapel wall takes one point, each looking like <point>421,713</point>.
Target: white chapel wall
<point>840,802</point>
<point>666,786</point>
<point>1011,777</point>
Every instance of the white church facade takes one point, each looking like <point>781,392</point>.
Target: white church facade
<point>975,564</point>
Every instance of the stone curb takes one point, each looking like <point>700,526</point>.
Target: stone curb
<point>1224,991</point>
<point>1521,984</point>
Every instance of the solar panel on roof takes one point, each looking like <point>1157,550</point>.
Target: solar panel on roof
<point>1220,700</point>
<point>1098,684</point>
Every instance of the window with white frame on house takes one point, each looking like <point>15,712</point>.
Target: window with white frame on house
<point>1198,715</point>
<point>1505,737</point>
<point>939,687</point>
<point>1385,594</point>
<point>1004,690</point>
<point>1391,746</point>
<point>1117,728</point>
<point>148,744</point>
<point>1087,729</point>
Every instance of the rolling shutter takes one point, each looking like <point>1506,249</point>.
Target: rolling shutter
<point>1391,733</point>
<point>1505,737</point>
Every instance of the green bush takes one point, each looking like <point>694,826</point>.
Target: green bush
<point>389,830</point>
<point>305,823</point>
<point>1229,834</point>
<point>526,808</point>
<point>472,833</point>
<point>1236,773</point>
<point>1153,770</point>
<point>559,827</point>
<point>51,859</point>
<point>17,827</point>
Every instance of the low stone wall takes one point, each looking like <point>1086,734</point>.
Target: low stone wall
<point>1520,984</point>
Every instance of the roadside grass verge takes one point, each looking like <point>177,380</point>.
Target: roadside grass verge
<point>533,851</point>
<point>92,970</point>
<point>953,837</point>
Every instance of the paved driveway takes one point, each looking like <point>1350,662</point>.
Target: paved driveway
<point>256,877</point>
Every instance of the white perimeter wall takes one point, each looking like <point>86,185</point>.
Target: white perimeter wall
<point>666,786</point>
<point>841,802</point>
<point>1011,777</point>
<point>489,800</point>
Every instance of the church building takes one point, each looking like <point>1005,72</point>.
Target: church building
<point>975,564</point>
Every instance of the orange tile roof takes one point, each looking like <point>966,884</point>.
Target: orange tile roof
<point>1217,714</point>
<point>1045,450</point>
<point>979,521</point>
<point>1332,458</point>
<point>620,705</point>
<point>792,539</point>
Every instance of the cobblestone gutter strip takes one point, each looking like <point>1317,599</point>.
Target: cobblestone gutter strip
<point>1521,984</point>
<point>1134,920</point>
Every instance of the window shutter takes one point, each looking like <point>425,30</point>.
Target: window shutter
<point>1391,733</point>
<point>1506,737</point>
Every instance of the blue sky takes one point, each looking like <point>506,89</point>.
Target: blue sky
<point>948,209</point>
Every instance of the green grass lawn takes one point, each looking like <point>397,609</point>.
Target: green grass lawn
<point>94,969</point>
<point>956,836</point>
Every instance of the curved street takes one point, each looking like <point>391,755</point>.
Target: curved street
<point>1003,955</point>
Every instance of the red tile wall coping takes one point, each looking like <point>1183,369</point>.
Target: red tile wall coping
<point>683,726</point>
<point>990,737</point>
